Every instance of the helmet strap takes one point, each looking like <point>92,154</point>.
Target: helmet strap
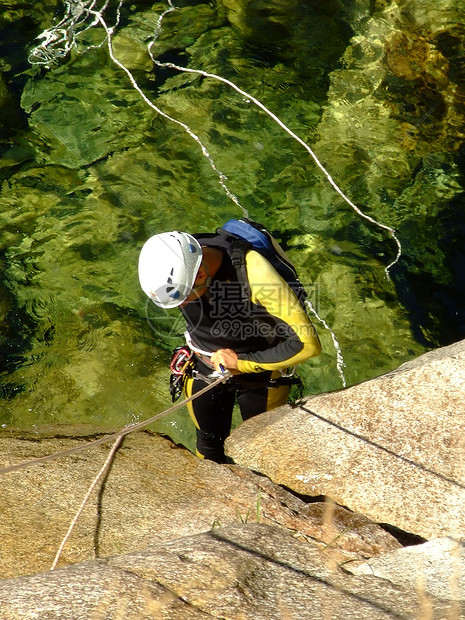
<point>208,280</point>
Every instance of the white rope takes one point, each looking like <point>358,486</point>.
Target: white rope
<point>106,438</point>
<point>340,364</point>
<point>221,177</point>
<point>76,21</point>
<point>248,97</point>
<point>84,501</point>
<point>58,41</point>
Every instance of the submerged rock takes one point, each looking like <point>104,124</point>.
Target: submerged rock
<point>243,571</point>
<point>153,492</point>
<point>391,448</point>
<point>395,111</point>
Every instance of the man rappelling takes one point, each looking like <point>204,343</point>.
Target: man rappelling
<point>245,315</point>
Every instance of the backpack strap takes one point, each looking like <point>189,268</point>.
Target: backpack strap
<point>237,252</point>
<point>261,240</point>
<point>236,249</point>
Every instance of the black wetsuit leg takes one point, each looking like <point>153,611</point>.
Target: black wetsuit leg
<point>212,415</point>
<point>212,412</point>
<point>254,399</point>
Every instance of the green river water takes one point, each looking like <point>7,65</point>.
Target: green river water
<point>89,171</point>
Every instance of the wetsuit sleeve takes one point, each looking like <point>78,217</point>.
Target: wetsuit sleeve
<point>273,295</point>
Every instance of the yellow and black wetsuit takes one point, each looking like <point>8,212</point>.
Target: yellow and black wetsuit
<point>269,331</point>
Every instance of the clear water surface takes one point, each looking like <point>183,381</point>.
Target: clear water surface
<point>89,171</point>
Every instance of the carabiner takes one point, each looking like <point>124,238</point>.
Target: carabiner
<point>181,357</point>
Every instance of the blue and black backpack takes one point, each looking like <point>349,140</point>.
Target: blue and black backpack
<point>242,235</point>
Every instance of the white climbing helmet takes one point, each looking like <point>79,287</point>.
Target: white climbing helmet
<point>168,266</point>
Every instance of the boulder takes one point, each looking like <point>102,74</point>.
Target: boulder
<point>154,491</point>
<point>391,448</point>
<point>242,571</point>
<point>437,567</point>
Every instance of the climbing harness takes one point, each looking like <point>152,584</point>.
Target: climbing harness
<point>183,367</point>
